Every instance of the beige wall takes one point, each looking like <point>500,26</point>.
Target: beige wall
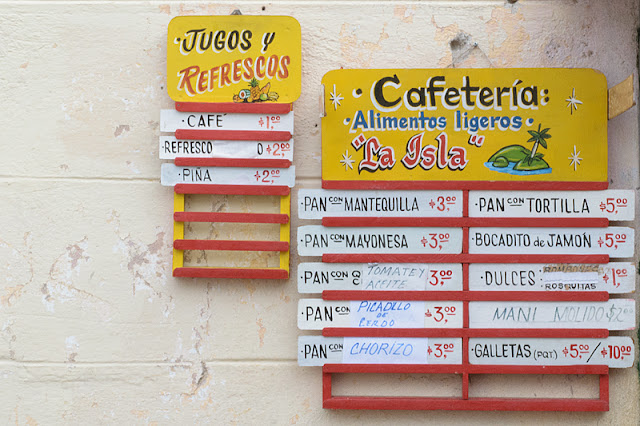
<point>93,328</point>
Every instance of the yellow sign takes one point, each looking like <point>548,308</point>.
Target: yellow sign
<point>233,59</point>
<point>519,125</point>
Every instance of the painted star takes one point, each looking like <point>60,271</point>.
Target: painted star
<point>347,161</point>
<point>575,159</point>
<point>335,98</point>
<point>572,102</point>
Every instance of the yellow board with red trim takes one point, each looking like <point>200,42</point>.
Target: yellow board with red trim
<point>236,58</point>
<point>511,125</point>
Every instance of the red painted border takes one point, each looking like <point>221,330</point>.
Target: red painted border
<point>232,135</point>
<point>463,258</point>
<point>466,221</point>
<point>471,296</point>
<point>233,162</point>
<point>250,245</point>
<point>465,332</point>
<point>266,273</point>
<point>457,369</point>
<point>233,107</point>
<point>462,184</point>
<point>230,217</point>
<point>195,188</point>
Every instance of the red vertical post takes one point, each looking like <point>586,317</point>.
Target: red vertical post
<point>465,304</point>
<point>326,386</point>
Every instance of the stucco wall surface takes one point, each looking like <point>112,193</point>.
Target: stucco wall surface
<point>93,328</point>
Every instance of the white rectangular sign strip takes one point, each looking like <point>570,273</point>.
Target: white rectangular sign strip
<point>317,277</point>
<point>614,241</point>
<point>316,314</point>
<point>614,278</point>
<point>614,352</point>
<point>172,175</point>
<point>615,314</point>
<point>315,351</point>
<point>611,204</point>
<point>319,203</point>
<point>315,240</point>
<point>172,120</point>
<point>171,148</point>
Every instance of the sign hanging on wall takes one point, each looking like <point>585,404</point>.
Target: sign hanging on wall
<point>242,59</point>
<point>514,125</point>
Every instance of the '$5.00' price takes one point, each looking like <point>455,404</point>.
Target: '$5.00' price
<point>612,204</point>
<point>612,240</point>
<point>267,176</point>
<point>440,313</point>
<point>440,350</point>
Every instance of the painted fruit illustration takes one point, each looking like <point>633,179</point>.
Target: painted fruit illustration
<point>255,93</point>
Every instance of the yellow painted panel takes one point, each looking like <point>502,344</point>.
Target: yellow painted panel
<point>178,230</point>
<point>465,125</point>
<point>234,59</point>
<point>285,230</point>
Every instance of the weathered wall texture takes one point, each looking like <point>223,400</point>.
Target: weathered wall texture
<point>93,328</point>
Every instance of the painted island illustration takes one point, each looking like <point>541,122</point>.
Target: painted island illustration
<point>518,160</point>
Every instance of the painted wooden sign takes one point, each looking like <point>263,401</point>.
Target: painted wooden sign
<point>614,241</point>
<point>172,120</point>
<point>614,278</point>
<point>614,352</point>
<point>318,350</point>
<point>317,277</point>
<point>612,204</point>
<point>319,203</point>
<point>418,127</point>
<point>318,240</point>
<point>244,59</point>
<point>615,314</point>
<point>170,175</point>
<point>316,314</point>
<point>171,148</point>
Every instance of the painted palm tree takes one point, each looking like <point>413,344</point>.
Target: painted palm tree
<point>538,138</point>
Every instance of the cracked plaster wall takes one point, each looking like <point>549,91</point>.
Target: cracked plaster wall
<point>93,328</point>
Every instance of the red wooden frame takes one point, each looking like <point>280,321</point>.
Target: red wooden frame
<point>464,402</point>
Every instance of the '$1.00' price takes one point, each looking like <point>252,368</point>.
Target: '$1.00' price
<point>269,121</point>
<point>440,350</point>
<point>267,176</point>
<point>441,313</point>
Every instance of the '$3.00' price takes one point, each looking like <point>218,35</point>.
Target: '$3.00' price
<point>441,313</point>
<point>440,350</point>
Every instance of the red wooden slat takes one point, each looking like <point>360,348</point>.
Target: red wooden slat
<point>533,296</point>
<point>265,273</point>
<point>458,369</point>
<point>466,221</point>
<point>465,332</point>
<point>230,217</point>
<point>233,162</point>
<point>188,188</point>
<point>471,185</point>
<point>234,107</point>
<point>464,258</point>
<point>231,245</point>
<point>232,135</point>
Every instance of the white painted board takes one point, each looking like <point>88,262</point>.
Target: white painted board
<point>315,351</point>
<point>315,240</point>
<point>615,314</point>
<point>172,120</point>
<point>315,277</point>
<point>615,352</point>
<point>614,278</point>
<point>315,314</point>
<point>614,204</point>
<point>170,175</point>
<point>319,203</point>
<point>171,148</point>
<point>614,241</point>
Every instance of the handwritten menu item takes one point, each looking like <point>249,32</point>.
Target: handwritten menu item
<point>317,240</point>
<point>317,277</point>
<point>612,204</point>
<point>317,350</point>
<point>614,278</point>
<point>318,203</point>
<point>615,314</point>
<point>241,59</point>
<point>614,352</point>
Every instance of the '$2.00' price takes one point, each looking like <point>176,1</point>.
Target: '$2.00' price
<point>267,176</point>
